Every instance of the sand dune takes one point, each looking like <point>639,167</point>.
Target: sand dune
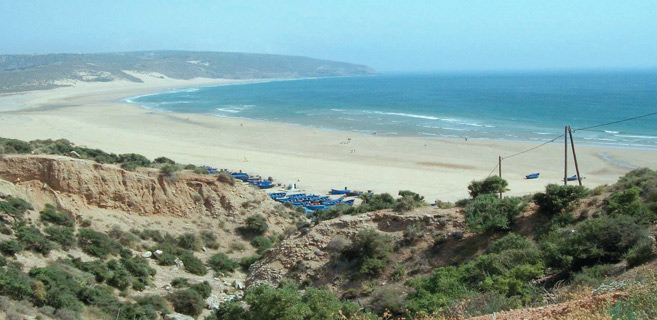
<point>92,114</point>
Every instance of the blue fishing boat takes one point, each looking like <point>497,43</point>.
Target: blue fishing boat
<point>349,202</point>
<point>532,175</point>
<point>336,191</point>
<point>573,178</point>
<point>277,195</point>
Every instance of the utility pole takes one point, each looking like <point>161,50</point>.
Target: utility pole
<point>499,165</point>
<point>565,155</point>
<point>572,145</point>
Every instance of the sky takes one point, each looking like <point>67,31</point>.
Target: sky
<point>460,35</point>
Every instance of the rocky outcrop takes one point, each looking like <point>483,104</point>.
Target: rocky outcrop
<point>308,254</point>
<point>75,183</point>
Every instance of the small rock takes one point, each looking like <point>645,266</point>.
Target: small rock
<point>204,249</point>
<point>158,253</point>
<point>238,285</point>
<point>212,302</point>
<point>179,263</point>
<point>75,154</point>
<point>147,254</point>
<point>177,316</point>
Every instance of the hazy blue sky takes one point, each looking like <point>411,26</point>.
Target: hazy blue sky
<point>387,35</point>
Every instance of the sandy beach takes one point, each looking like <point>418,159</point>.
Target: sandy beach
<point>93,115</point>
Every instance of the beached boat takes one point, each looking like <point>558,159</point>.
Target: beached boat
<point>532,175</point>
<point>573,178</point>
<point>349,202</point>
<point>336,191</point>
<point>277,195</point>
<point>354,193</point>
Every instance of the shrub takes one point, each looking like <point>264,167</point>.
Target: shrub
<point>119,276</point>
<point>209,239</point>
<point>163,160</point>
<point>133,158</point>
<point>203,288</point>
<point>593,276</point>
<point>224,177</point>
<point>261,243</point>
<point>14,208</point>
<point>246,262</point>
<point>408,201</point>
<point>97,244</point>
<point>511,241</point>
<point>490,185</point>
<point>371,250</point>
<point>557,199</point>
<point>62,235</point>
<point>97,268</point>
<point>255,224</point>
<point>388,299</point>
<point>60,285</point>
<point>413,233</point>
<point>192,264</point>
<point>190,241</point>
<point>52,215</point>
<point>167,170</point>
<point>489,213</point>
<point>15,283</point>
<point>627,202</point>
<point>180,283</point>
<point>222,264</point>
<point>15,146</point>
<point>166,259</point>
<point>598,240</point>
<point>640,253</point>
<point>32,239</point>
<point>10,247</point>
<point>187,302</point>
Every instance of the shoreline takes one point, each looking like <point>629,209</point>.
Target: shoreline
<point>316,159</point>
<point>581,141</point>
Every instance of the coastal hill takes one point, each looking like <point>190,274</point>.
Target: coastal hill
<point>95,235</point>
<point>45,71</point>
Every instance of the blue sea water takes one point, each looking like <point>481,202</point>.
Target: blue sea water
<point>520,107</point>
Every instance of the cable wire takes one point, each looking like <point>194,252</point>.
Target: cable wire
<point>491,172</point>
<point>533,148</point>
<point>614,122</point>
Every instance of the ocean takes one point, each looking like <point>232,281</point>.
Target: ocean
<point>530,107</point>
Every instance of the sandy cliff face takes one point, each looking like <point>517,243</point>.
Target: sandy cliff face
<point>76,184</point>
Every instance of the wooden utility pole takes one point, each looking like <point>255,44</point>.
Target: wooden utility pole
<point>572,145</point>
<point>499,166</point>
<point>565,155</point>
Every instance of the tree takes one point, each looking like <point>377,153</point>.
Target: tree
<point>490,185</point>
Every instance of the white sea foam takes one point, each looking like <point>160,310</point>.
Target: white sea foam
<point>609,131</point>
<point>408,115</point>
<point>634,136</point>
<point>234,108</point>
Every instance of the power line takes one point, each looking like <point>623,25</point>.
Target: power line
<point>491,172</point>
<point>533,148</point>
<point>614,122</point>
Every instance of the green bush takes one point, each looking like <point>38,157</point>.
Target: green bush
<point>489,213</point>
<point>370,250</point>
<point>163,160</point>
<point>187,302</point>
<point>255,224</point>
<point>640,253</point>
<point>52,215</point>
<point>15,146</point>
<point>593,241</point>
<point>14,283</point>
<point>14,208</point>
<point>222,264</point>
<point>408,201</point>
<point>97,244</point>
<point>180,283</point>
<point>593,276</point>
<point>32,239</point>
<point>192,264</point>
<point>511,241</point>
<point>135,159</point>
<point>203,288</point>
<point>119,276</point>
<point>10,247</point>
<point>628,202</point>
<point>209,239</point>
<point>413,233</point>
<point>97,268</point>
<point>62,235</point>
<point>261,243</point>
<point>190,241</point>
<point>557,198</point>
<point>166,259</point>
<point>61,287</point>
<point>167,170</point>
<point>490,185</point>
<point>246,262</point>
